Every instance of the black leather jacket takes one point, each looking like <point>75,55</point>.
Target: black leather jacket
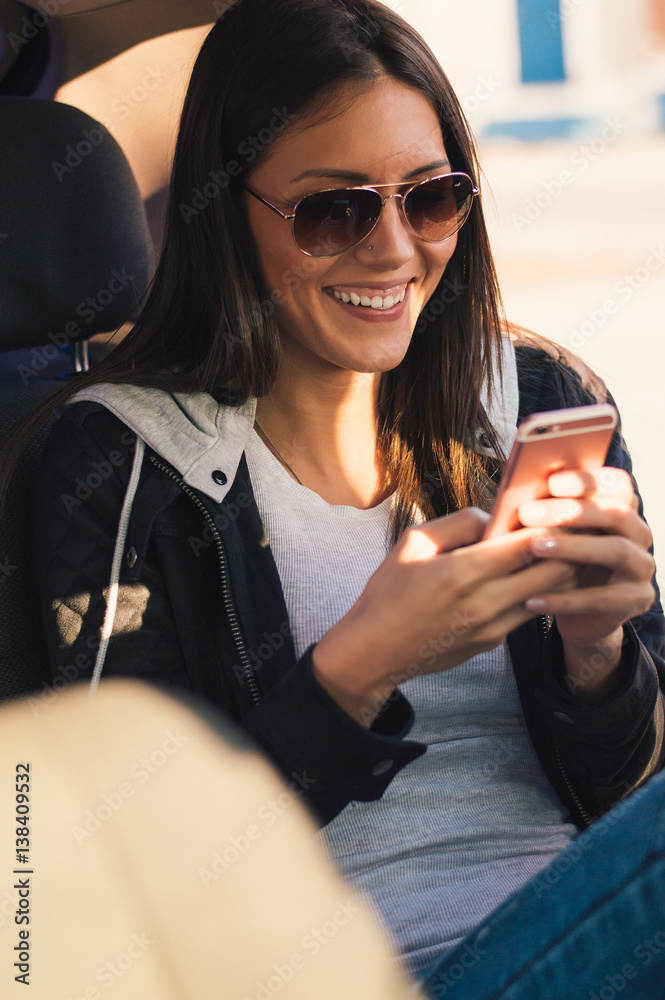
<point>201,607</point>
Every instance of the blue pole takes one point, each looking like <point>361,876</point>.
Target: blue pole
<point>541,41</point>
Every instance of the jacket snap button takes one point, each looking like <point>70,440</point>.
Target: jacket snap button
<point>563,717</point>
<point>132,556</point>
<point>219,477</point>
<point>382,767</point>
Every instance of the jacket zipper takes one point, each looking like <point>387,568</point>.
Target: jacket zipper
<point>226,587</point>
<point>546,624</point>
<point>580,808</point>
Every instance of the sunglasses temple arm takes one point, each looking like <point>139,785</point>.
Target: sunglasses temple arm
<point>264,202</point>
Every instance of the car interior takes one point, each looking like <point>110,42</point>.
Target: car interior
<point>90,96</point>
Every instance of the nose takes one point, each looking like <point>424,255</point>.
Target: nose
<point>392,242</point>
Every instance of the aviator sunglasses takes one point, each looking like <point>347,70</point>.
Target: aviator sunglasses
<point>333,221</point>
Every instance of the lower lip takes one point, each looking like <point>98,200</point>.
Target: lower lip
<point>369,315</point>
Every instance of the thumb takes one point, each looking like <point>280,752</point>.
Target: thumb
<point>464,527</point>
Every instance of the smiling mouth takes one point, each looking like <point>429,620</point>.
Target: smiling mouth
<point>369,298</point>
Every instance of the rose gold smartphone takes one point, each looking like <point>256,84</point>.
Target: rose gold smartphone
<point>576,438</point>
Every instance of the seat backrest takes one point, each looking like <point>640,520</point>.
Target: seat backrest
<point>76,258</point>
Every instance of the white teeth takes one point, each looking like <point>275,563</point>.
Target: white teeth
<point>376,302</point>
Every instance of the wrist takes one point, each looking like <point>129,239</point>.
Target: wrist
<point>340,665</point>
<point>595,671</point>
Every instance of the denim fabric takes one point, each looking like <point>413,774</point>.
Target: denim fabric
<point>590,926</point>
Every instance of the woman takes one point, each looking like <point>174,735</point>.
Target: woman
<point>301,432</point>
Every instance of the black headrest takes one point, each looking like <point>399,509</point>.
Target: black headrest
<point>75,249</point>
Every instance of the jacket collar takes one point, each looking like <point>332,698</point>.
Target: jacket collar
<point>202,438</point>
<point>198,436</point>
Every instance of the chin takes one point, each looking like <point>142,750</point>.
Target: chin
<point>380,357</point>
<point>377,365</point>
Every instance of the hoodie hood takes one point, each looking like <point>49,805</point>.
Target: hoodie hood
<point>202,438</point>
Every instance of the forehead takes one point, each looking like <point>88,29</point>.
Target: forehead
<point>384,131</point>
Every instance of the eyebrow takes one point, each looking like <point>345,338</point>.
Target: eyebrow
<point>364,178</point>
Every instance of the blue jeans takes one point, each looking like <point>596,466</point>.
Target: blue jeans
<point>590,926</point>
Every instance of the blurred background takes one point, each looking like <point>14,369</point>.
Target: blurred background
<point>567,102</point>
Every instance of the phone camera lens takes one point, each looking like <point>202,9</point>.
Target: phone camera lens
<point>541,430</point>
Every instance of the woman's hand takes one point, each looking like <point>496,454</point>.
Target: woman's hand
<point>608,541</point>
<point>440,596</point>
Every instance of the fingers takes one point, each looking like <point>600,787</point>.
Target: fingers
<point>571,483</point>
<point>499,607</point>
<point>609,514</point>
<point>623,557</point>
<point>496,558</point>
<point>498,597</point>
<point>459,535</point>
<point>602,482</point>
<point>620,602</point>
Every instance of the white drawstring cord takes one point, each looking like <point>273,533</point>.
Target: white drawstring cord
<point>112,602</point>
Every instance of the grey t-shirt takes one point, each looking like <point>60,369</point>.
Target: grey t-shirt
<point>459,829</point>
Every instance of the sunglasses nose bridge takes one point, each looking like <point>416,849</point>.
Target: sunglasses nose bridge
<point>384,200</point>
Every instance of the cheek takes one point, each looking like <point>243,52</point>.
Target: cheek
<point>275,249</point>
<point>290,276</point>
<point>438,259</point>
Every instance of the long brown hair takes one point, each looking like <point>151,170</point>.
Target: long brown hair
<point>208,323</point>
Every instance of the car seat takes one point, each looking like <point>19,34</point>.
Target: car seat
<point>76,258</point>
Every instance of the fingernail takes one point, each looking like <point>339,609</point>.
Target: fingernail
<point>535,604</point>
<point>543,544</point>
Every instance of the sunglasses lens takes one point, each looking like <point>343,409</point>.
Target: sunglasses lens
<point>437,209</point>
<point>330,222</point>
